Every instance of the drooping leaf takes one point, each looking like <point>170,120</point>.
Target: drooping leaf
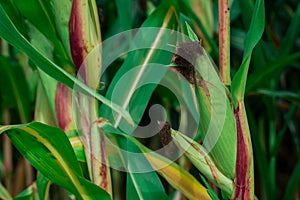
<point>49,151</point>
<point>11,34</point>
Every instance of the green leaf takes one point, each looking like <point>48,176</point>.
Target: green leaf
<point>43,186</point>
<point>77,145</point>
<point>142,184</point>
<point>9,32</point>
<point>44,106</point>
<point>125,15</point>
<point>273,68</point>
<point>142,179</point>
<point>179,178</point>
<point>235,10</point>
<point>38,9</point>
<point>247,6</point>
<point>211,192</point>
<point>290,96</point>
<point>49,151</point>
<point>14,88</point>
<point>62,10</point>
<point>247,10</point>
<point>14,14</point>
<point>280,135</point>
<point>237,37</point>
<point>292,33</point>
<point>41,10</point>
<point>137,70</point>
<point>252,38</point>
<point>28,194</point>
<point>293,183</point>
<point>191,33</point>
<point>187,8</point>
<point>4,193</point>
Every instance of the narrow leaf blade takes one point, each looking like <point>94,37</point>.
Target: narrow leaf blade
<point>252,38</point>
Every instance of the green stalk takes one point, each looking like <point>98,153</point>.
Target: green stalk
<point>244,179</point>
<point>85,36</point>
<point>224,41</point>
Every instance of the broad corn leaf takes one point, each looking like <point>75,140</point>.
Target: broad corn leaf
<point>145,50</point>
<point>9,32</point>
<point>49,151</point>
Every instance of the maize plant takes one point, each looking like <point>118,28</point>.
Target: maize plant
<point>122,99</point>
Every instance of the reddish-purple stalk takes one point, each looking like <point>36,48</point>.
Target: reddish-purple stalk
<point>84,35</point>
<point>244,162</point>
<point>63,106</point>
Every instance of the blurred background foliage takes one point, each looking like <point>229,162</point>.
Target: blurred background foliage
<point>272,91</point>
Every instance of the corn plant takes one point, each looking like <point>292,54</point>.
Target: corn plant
<point>78,85</point>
